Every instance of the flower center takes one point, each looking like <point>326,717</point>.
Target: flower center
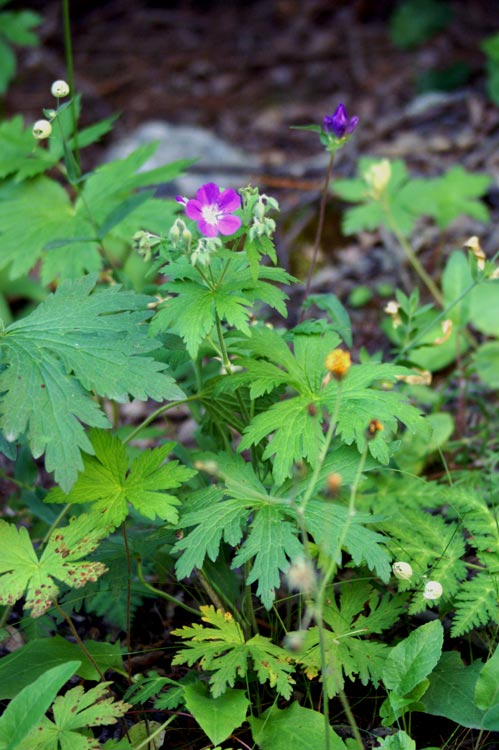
<point>211,213</point>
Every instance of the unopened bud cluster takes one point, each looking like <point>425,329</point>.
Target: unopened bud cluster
<point>256,210</point>
<point>204,249</point>
<point>180,237</point>
<point>42,129</point>
<point>145,242</point>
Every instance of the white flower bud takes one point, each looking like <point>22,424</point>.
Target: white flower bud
<point>402,570</point>
<point>42,129</point>
<point>378,176</point>
<point>59,89</point>
<point>433,590</point>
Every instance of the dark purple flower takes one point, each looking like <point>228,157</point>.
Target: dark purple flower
<point>212,210</point>
<point>339,124</point>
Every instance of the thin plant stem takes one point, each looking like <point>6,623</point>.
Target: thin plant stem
<point>162,594</point>
<point>128,623</point>
<point>413,258</point>
<point>68,49</point>
<point>78,640</point>
<point>155,414</point>
<point>147,742</point>
<point>320,225</point>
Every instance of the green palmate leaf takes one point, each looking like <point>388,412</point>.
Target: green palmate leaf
<point>333,528</point>
<point>38,220</point>
<point>410,661</point>
<point>272,539</point>
<point>61,560</point>
<point>455,194</point>
<point>293,728</point>
<point>25,711</point>
<point>353,618</point>
<point>19,151</point>
<point>217,717</point>
<point>223,650</point>
<point>111,481</point>
<point>271,544</point>
<point>76,342</point>
<point>72,712</point>
<point>193,312</point>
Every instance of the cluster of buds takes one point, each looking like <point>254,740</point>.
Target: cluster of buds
<point>204,249</point>
<point>42,129</point>
<point>256,210</point>
<point>144,243</point>
<point>180,237</point>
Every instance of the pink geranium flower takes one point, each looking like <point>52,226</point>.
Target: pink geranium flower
<point>213,209</point>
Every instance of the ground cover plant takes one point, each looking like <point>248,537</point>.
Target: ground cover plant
<point>324,537</point>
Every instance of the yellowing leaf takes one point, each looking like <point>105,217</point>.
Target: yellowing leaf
<point>61,560</point>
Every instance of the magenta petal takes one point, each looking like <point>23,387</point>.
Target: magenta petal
<point>208,194</point>
<point>229,224</point>
<point>209,230</point>
<point>193,209</point>
<point>228,201</point>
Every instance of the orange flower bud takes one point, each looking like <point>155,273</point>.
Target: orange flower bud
<point>338,362</point>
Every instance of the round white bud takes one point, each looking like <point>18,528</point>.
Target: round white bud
<point>59,89</point>
<point>402,570</point>
<point>42,129</point>
<point>433,590</point>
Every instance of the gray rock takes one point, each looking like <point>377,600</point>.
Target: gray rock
<point>218,161</point>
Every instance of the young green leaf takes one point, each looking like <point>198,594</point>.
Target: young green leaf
<point>74,343</point>
<point>20,568</point>
<point>293,728</point>
<point>223,650</point>
<point>217,717</point>
<point>111,481</point>
<point>411,660</point>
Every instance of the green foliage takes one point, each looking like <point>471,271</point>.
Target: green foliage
<point>111,481</point>
<point>25,711</point>
<point>464,694</point>
<point>293,728</point>
<point>40,222</point>
<point>199,301</point>
<point>490,47</point>
<point>218,717</point>
<point>415,21</point>
<point>61,560</point>
<point>21,667</point>
<point>78,341</point>
<point>223,650</point>
<point>16,29</point>
<point>405,199</point>
<point>74,711</point>
<point>353,618</point>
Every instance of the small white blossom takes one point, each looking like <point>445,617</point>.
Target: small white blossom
<point>42,129</point>
<point>301,576</point>
<point>402,570</point>
<point>59,89</point>
<point>433,590</point>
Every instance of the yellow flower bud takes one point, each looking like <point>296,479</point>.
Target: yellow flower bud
<point>338,362</point>
<point>473,244</point>
<point>377,177</point>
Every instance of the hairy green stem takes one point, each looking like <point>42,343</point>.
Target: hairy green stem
<point>128,624</point>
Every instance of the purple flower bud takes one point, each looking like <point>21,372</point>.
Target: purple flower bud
<point>339,124</point>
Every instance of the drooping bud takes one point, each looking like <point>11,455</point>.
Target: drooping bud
<point>301,576</point>
<point>334,483</point>
<point>375,426</point>
<point>446,331</point>
<point>402,570</point>
<point>433,590</point>
<point>59,89</point>
<point>473,244</point>
<point>392,309</point>
<point>42,129</point>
